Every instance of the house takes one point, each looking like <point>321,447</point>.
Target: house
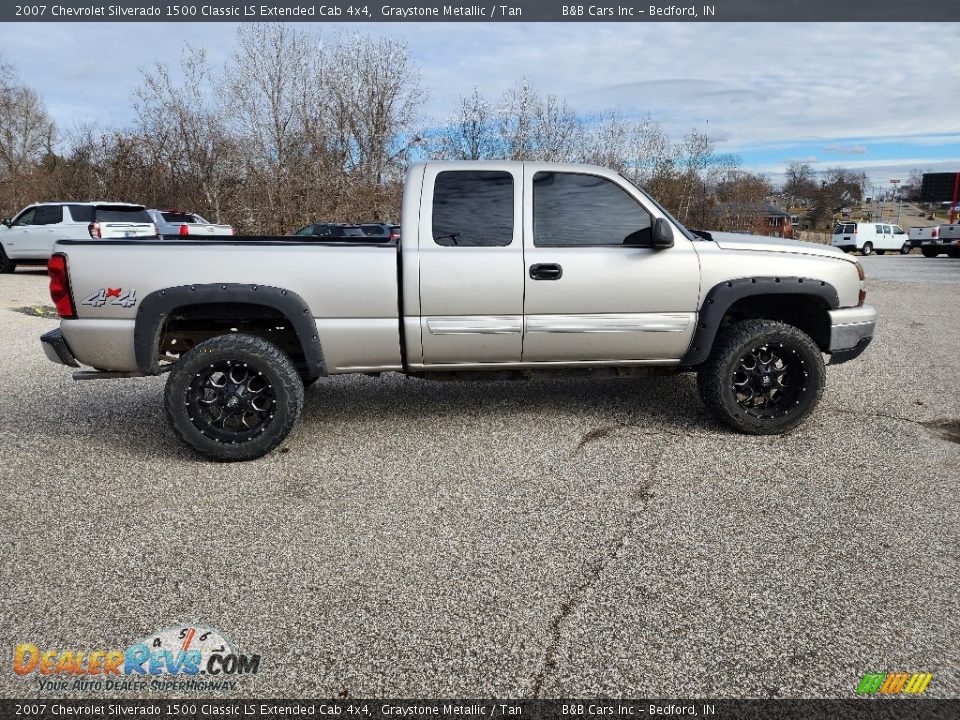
<point>756,217</point>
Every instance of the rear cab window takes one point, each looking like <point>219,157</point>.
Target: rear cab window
<point>179,218</point>
<point>473,208</point>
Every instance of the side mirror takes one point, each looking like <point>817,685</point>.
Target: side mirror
<point>8,222</point>
<point>662,234</point>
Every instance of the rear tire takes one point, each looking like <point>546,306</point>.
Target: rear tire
<point>905,250</point>
<point>867,248</point>
<point>233,397</point>
<point>762,377</point>
<point>6,264</point>
<point>927,253</point>
<point>953,253</point>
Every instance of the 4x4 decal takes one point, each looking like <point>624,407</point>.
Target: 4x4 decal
<point>113,296</point>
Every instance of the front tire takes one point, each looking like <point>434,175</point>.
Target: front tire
<point>867,248</point>
<point>6,264</point>
<point>233,397</point>
<point>762,377</point>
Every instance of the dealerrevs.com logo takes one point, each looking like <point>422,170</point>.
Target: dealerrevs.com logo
<point>894,683</point>
<point>178,658</point>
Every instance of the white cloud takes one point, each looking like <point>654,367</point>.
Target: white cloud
<point>751,84</point>
<point>845,149</point>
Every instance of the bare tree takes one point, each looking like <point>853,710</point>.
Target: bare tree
<point>181,127</point>
<point>27,136</point>
<point>470,134</point>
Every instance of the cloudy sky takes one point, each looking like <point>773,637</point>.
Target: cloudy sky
<point>884,98</point>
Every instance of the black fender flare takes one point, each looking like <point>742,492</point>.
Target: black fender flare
<point>723,295</point>
<point>156,307</point>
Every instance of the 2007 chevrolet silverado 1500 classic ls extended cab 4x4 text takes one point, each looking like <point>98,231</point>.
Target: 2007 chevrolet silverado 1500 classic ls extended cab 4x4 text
<point>503,266</point>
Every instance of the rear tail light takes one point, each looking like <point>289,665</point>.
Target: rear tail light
<point>933,233</point>
<point>863,285</point>
<point>233,231</point>
<point>60,286</point>
<point>94,229</point>
<point>184,230</point>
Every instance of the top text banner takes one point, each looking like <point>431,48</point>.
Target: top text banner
<point>793,11</point>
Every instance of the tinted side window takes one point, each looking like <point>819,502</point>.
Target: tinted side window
<point>571,209</point>
<point>886,229</point>
<point>473,208</point>
<point>879,229</point>
<point>26,217</point>
<point>48,215</point>
<point>81,213</point>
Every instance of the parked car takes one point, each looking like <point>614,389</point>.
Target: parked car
<point>508,268</point>
<point>381,231</point>
<point>331,230</point>
<point>176,223</point>
<point>29,236</point>
<point>870,237</point>
<point>942,239</point>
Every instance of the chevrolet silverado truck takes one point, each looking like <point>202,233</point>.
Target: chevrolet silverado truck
<point>504,269</point>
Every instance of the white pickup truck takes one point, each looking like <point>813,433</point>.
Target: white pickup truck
<point>178,224</point>
<point>937,239</point>
<point>504,267</point>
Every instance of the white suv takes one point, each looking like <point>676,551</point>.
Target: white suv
<point>29,237</point>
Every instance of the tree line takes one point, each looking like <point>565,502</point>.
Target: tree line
<point>298,127</point>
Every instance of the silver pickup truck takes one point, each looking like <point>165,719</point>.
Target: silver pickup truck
<point>504,267</point>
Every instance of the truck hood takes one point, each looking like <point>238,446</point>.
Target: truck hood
<point>737,241</point>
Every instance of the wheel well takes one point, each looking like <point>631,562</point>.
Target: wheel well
<point>808,313</point>
<point>186,326</point>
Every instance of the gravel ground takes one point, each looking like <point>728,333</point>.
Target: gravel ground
<point>556,538</point>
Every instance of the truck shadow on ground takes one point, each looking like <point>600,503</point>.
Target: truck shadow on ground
<point>600,406</point>
<point>569,411</point>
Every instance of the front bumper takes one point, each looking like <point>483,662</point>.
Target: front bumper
<point>851,330</point>
<point>56,350</point>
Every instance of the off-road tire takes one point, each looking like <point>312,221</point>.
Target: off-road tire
<point>867,248</point>
<point>6,264</point>
<point>716,377</point>
<point>928,253</point>
<point>259,360</point>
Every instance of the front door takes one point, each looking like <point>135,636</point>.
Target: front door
<point>471,264</point>
<point>590,293</point>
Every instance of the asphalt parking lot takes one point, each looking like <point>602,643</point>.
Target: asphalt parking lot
<point>552,538</point>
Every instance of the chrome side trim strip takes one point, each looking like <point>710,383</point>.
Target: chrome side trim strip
<point>610,323</point>
<point>475,325</point>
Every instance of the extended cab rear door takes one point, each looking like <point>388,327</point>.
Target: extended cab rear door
<point>589,295</point>
<point>471,263</point>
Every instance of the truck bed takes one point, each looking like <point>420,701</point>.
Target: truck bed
<point>351,288</point>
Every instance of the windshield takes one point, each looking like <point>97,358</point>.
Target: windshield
<point>686,233</point>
